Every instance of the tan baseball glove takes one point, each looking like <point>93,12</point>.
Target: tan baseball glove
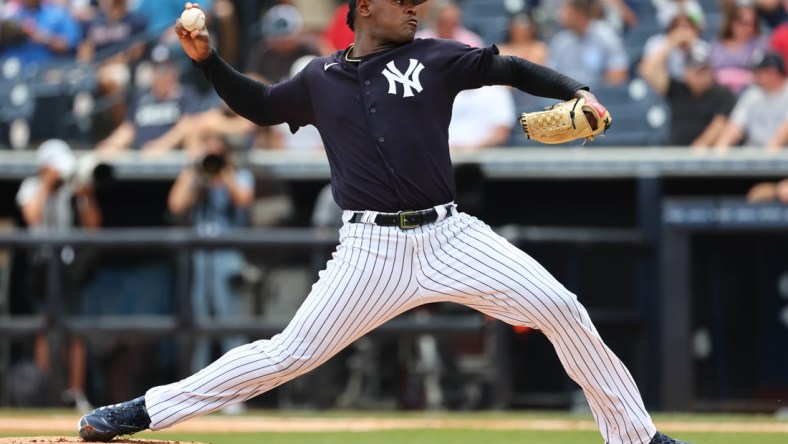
<point>567,121</point>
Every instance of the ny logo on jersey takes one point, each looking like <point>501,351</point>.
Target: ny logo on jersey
<point>409,80</point>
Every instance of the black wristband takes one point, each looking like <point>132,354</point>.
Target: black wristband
<point>206,62</point>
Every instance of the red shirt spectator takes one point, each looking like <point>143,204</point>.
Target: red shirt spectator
<point>338,34</point>
<point>779,40</point>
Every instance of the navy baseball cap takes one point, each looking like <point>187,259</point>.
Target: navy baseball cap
<point>769,60</point>
<point>698,56</point>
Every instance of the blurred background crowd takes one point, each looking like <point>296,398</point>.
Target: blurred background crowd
<point>85,81</point>
<point>109,75</point>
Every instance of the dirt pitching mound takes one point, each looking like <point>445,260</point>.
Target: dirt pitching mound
<point>63,439</point>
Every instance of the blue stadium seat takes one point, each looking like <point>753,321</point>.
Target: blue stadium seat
<point>636,38</point>
<point>713,25</point>
<point>709,5</point>
<point>612,94</point>
<point>639,123</point>
<point>17,99</point>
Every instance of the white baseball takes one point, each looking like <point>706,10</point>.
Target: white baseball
<point>192,19</point>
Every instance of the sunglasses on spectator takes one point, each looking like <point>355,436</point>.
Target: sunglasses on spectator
<point>745,21</point>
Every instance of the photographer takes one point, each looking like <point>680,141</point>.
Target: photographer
<point>214,197</point>
<point>53,202</point>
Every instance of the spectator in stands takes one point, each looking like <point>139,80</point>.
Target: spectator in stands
<point>732,52</point>
<point>622,15</point>
<point>772,12</point>
<point>43,32</point>
<point>337,34</point>
<point>115,37</point>
<point>778,41</point>
<point>667,10</point>
<point>761,109</point>
<point>683,17</point>
<point>482,117</point>
<point>587,49</point>
<point>83,11</point>
<point>523,40</point>
<point>699,106</point>
<point>448,25</point>
<point>156,109</point>
<point>191,130</point>
<point>228,30</point>
<point>214,196</point>
<point>50,203</point>
<point>282,43</point>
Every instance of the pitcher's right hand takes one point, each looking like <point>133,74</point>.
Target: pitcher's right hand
<point>196,44</point>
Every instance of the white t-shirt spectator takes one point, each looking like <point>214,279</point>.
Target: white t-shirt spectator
<point>760,113</point>
<point>477,112</point>
<point>58,216</point>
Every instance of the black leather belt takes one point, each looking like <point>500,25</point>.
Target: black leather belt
<point>404,219</point>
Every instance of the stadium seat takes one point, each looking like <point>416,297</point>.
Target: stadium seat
<point>17,100</point>
<point>639,123</point>
<point>612,94</point>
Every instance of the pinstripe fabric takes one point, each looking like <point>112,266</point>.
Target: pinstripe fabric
<point>378,273</point>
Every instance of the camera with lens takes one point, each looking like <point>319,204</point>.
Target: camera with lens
<point>93,172</point>
<point>211,164</point>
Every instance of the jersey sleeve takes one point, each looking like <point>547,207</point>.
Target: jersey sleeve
<point>285,102</point>
<point>468,67</point>
<point>288,102</point>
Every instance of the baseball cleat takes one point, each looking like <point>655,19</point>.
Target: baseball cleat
<point>105,423</point>
<point>661,438</point>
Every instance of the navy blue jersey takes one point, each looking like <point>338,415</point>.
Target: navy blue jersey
<point>384,121</point>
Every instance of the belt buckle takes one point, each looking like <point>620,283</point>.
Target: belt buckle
<point>403,223</point>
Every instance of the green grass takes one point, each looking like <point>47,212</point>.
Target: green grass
<point>448,436</point>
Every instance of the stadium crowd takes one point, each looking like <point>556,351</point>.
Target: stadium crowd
<point>721,59</point>
<point>108,76</point>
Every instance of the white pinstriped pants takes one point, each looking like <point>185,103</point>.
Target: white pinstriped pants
<point>377,273</point>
